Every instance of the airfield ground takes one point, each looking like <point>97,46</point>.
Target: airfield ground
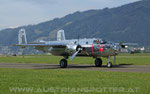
<point>41,74</point>
<point>116,68</point>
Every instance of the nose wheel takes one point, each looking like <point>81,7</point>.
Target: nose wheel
<point>63,63</point>
<point>109,64</point>
<point>98,62</point>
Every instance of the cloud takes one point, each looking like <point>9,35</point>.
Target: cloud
<point>24,12</point>
<point>39,2</point>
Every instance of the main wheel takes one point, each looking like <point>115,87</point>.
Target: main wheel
<point>63,63</point>
<point>109,64</point>
<point>98,62</point>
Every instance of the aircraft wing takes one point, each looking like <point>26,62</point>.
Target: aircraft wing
<point>123,45</point>
<point>42,45</point>
<point>128,44</point>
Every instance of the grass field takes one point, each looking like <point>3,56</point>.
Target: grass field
<point>56,81</point>
<point>135,59</point>
<point>28,81</point>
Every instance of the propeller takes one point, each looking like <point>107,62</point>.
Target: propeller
<point>78,50</point>
<point>74,55</point>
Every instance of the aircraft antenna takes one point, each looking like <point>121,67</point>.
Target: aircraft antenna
<point>78,39</point>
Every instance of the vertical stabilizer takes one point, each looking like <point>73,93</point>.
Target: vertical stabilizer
<point>60,35</point>
<point>22,39</point>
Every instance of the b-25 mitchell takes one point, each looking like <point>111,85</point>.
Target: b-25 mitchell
<point>94,47</point>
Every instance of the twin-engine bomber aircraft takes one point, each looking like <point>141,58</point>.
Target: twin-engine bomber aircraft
<point>95,48</point>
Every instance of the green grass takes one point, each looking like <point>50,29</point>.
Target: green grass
<point>135,59</point>
<point>61,79</point>
<point>75,81</point>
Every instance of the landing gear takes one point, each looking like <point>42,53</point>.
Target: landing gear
<point>63,63</point>
<point>98,62</point>
<point>109,64</point>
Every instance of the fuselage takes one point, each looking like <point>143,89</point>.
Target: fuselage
<point>90,47</point>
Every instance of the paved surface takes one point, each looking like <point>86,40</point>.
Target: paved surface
<point>116,68</point>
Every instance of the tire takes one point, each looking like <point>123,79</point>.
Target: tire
<point>109,65</point>
<point>98,62</point>
<point>63,63</point>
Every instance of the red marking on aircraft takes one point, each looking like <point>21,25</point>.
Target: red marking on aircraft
<point>92,50</point>
<point>101,48</point>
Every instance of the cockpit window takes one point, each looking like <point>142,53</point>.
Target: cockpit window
<point>75,42</point>
<point>99,42</point>
<point>96,42</point>
<point>103,42</point>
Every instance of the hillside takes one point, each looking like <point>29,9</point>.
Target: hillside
<point>127,23</point>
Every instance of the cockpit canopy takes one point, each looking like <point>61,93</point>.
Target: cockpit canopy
<point>99,41</point>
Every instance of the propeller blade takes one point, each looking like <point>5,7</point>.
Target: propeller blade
<point>74,55</point>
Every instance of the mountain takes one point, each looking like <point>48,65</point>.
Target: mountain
<point>127,23</point>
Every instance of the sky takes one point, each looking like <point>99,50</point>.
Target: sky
<point>14,13</point>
